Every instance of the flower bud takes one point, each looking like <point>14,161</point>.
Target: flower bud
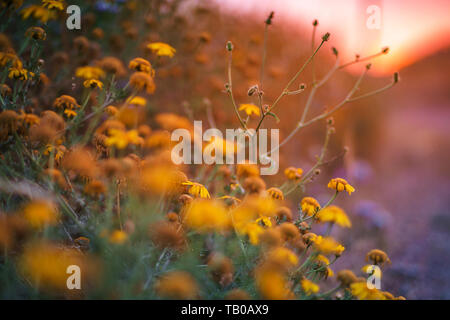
<point>326,36</point>
<point>252,90</point>
<point>315,23</point>
<point>396,77</point>
<point>335,52</point>
<point>229,46</point>
<point>269,19</point>
<point>385,50</point>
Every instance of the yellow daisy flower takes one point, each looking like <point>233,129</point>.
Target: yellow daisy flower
<point>340,184</point>
<point>197,189</point>
<point>250,109</point>
<point>161,49</point>
<point>334,214</point>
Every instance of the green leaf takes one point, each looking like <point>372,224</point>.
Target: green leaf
<point>274,115</point>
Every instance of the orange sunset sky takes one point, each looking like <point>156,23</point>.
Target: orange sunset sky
<point>412,29</point>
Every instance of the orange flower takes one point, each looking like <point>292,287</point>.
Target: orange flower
<point>142,81</point>
<point>340,184</point>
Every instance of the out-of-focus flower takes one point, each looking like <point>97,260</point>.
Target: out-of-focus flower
<point>283,258</point>
<point>340,184</point>
<point>284,213</point>
<point>327,245</point>
<point>334,214</point>
<point>254,185</point>
<point>89,72</point>
<point>142,81</point>
<point>141,65</point>
<point>197,189</point>
<point>177,285</point>
<point>53,4</point>
<point>95,188</point>
<point>309,287</point>
<point>121,138</point>
<point>40,213</point>
<point>237,294</point>
<point>293,173</point>
<point>93,83</point>
<point>221,267</point>
<point>40,13</point>
<point>272,284</point>
<point>346,278</point>
<point>118,237</point>
<point>245,170</point>
<point>57,151</point>
<point>361,291</point>
<point>309,206</point>
<point>70,113</point>
<point>45,265</point>
<point>65,102</point>
<point>137,100</point>
<point>250,109</point>
<point>275,193</point>
<point>36,33</point>
<point>377,257</point>
<point>19,74</point>
<point>207,216</point>
<point>161,49</point>
<point>113,66</point>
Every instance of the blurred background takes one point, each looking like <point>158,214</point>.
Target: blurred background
<point>398,140</point>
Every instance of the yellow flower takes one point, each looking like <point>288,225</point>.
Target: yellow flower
<point>142,65</point>
<point>207,216</point>
<point>309,287</point>
<point>365,270</point>
<point>92,83</point>
<point>142,81</point>
<point>58,151</point>
<point>177,285</point>
<point>250,109</point>
<point>65,101</point>
<point>272,284</point>
<point>275,193</point>
<point>309,206</point>
<point>118,237</point>
<point>264,221</point>
<point>293,173</point>
<point>334,214</point>
<point>197,189</point>
<point>70,113</point>
<point>53,4</point>
<point>40,213</point>
<point>362,292</point>
<point>89,72</point>
<point>283,257</point>
<point>16,73</point>
<point>137,100</point>
<point>327,245</point>
<point>253,231</point>
<point>161,49</point>
<point>121,138</point>
<point>6,57</point>
<point>340,184</point>
<point>45,264</point>
<point>377,256</point>
<point>36,33</point>
<point>40,13</point>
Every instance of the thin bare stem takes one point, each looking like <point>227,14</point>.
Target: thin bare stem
<point>286,88</point>
<point>357,60</point>
<point>230,91</point>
